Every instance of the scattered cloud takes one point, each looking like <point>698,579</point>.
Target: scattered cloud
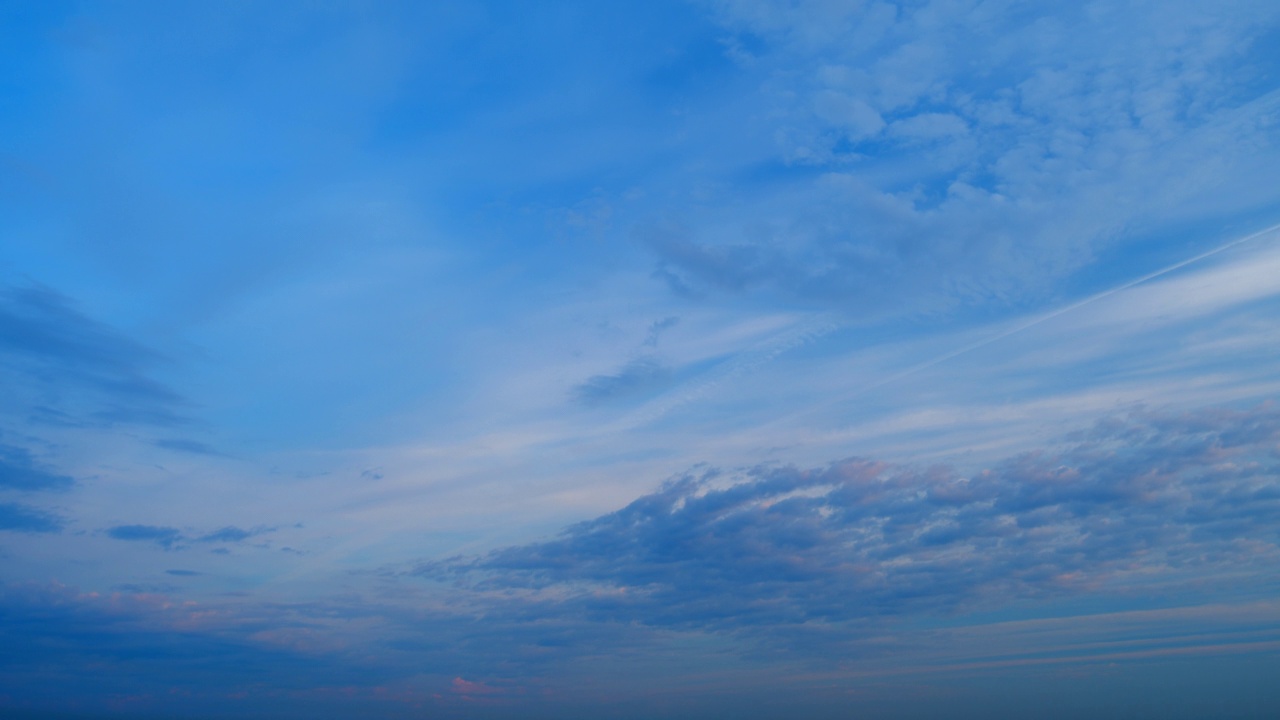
<point>56,363</point>
<point>188,446</point>
<point>232,534</point>
<point>174,539</point>
<point>714,234</point>
<point>20,471</point>
<point>657,328</point>
<point>636,377</point>
<point>57,636</point>
<point>1149,497</point>
<point>466,687</point>
<point>22,518</point>
<point>166,537</point>
<point>934,155</point>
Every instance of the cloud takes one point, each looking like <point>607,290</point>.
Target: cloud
<point>657,328</point>
<point>188,446</point>
<point>636,377</point>
<point>232,534</point>
<point>59,365</point>
<point>1140,499</point>
<point>109,646</point>
<point>166,537</point>
<point>243,659</point>
<point>22,518</point>
<point>19,471</point>
<point>466,687</point>
<point>174,539</point>
<point>933,155</point>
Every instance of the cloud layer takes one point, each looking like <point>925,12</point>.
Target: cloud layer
<point>941,154</point>
<point>1150,498</point>
<point>769,574</point>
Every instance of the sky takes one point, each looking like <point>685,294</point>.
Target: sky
<point>664,359</point>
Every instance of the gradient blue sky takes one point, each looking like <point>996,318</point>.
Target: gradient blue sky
<point>740,358</point>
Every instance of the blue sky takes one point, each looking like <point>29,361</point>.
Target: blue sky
<point>663,359</point>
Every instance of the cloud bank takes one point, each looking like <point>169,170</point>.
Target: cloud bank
<point>1144,500</point>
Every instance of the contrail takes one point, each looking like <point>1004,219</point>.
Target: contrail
<point>1064,310</point>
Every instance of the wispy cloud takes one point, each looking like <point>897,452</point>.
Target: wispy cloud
<point>232,534</point>
<point>20,471</point>
<point>171,538</point>
<point>166,537</point>
<point>345,374</point>
<point>1150,497</point>
<point>636,377</point>
<point>148,637</point>
<point>61,363</point>
<point>187,446</point>
<point>23,518</point>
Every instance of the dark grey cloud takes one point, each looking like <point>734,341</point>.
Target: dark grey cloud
<point>23,518</point>
<point>638,376</point>
<point>1137,499</point>
<point>20,471</point>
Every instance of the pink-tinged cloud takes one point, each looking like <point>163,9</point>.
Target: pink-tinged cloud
<point>466,687</point>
